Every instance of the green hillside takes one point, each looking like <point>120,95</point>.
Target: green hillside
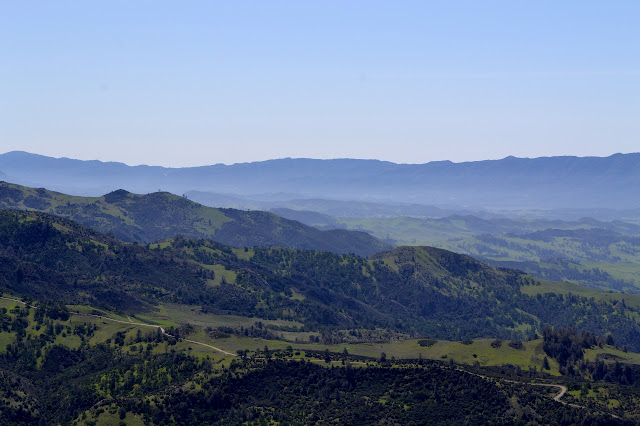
<point>414,230</point>
<point>595,257</point>
<point>408,291</point>
<point>64,367</point>
<point>93,329</point>
<point>590,252</point>
<point>152,217</point>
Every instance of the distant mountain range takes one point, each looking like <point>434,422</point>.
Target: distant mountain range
<point>156,216</point>
<point>510,183</point>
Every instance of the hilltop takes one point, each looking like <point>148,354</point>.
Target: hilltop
<point>155,216</point>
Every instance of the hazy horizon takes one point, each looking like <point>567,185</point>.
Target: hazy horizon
<point>309,158</point>
<point>336,212</point>
<point>194,83</point>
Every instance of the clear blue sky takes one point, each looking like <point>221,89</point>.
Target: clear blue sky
<point>189,83</point>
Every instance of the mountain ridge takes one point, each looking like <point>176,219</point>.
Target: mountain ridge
<point>509,182</point>
<point>160,215</point>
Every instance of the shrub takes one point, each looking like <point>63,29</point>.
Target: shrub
<point>516,344</point>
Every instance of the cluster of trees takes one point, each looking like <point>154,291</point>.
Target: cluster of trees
<point>610,372</point>
<point>301,392</point>
<point>566,345</point>
<point>42,382</point>
<point>409,291</point>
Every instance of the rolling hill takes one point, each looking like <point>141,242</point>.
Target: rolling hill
<point>97,331</point>
<point>410,290</point>
<point>151,217</point>
<point>597,257</point>
<point>404,230</point>
<point>601,254</point>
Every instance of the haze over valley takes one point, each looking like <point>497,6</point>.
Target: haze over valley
<point>300,213</point>
<point>316,272</point>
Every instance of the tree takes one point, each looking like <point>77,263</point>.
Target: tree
<point>610,340</point>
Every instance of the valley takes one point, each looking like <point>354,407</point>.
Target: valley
<point>319,213</point>
<point>129,305</point>
<point>525,363</point>
<point>225,314</point>
<point>595,253</point>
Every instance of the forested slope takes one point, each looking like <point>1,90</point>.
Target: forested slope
<point>411,290</point>
<point>151,217</point>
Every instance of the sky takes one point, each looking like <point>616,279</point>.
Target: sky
<point>187,83</point>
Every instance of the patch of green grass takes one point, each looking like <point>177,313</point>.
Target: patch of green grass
<point>107,329</point>
<point>615,354</point>
<point>109,417</point>
<point>565,288</point>
<point>242,254</point>
<point>91,310</point>
<point>235,343</point>
<point>593,262</point>
<point>628,271</point>
<point>613,403</point>
<point>184,314</point>
<point>6,339</point>
<point>213,219</point>
<point>222,272</point>
<point>297,296</point>
<point>10,304</point>
<point>71,341</point>
<point>161,245</point>
<point>531,355</point>
<point>409,230</point>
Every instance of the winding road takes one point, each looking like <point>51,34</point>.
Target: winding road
<point>131,322</point>
<point>563,389</point>
<point>162,330</point>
